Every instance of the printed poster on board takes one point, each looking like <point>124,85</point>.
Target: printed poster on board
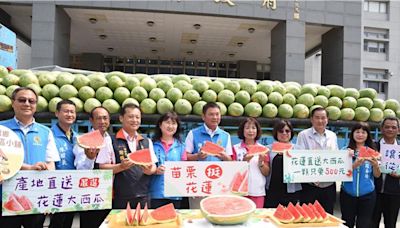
<point>309,166</point>
<point>11,153</point>
<point>390,160</point>
<point>205,178</point>
<point>35,192</point>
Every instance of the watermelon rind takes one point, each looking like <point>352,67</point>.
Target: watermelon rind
<point>231,219</point>
<point>88,135</point>
<point>298,217</point>
<point>283,215</point>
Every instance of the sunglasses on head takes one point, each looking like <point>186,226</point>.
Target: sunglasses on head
<point>23,100</point>
<point>284,131</point>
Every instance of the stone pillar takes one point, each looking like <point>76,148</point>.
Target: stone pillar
<point>247,69</point>
<point>332,57</point>
<point>51,28</point>
<point>288,51</point>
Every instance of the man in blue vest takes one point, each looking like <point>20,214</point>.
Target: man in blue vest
<point>40,151</point>
<point>65,139</point>
<point>209,131</point>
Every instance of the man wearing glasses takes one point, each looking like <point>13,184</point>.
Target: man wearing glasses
<point>40,151</point>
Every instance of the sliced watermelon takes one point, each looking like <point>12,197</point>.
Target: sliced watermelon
<point>256,149</point>
<point>164,214</point>
<point>306,218</point>
<point>283,215</point>
<point>141,157</point>
<point>236,181</point>
<point>298,217</point>
<point>211,148</point>
<point>280,147</point>
<point>317,215</point>
<point>145,218</point>
<point>129,215</point>
<point>93,139</point>
<point>25,202</point>
<point>366,152</point>
<point>12,204</point>
<point>320,210</point>
<point>137,215</point>
<point>244,187</point>
<point>310,213</point>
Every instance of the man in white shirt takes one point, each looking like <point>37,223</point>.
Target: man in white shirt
<point>319,138</point>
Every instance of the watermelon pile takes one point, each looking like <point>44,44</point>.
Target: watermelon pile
<point>306,213</point>
<point>161,215</point>
<point>188,94</point>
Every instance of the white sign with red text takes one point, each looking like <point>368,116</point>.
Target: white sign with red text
<point>205,178</point>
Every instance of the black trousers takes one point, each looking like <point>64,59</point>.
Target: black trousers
<point>27,221</point>
<point>92,219</point>
<point>388,205</point>
<point>325,196</point>
<point>155,203</point>
<point>62,220</point>
<point>357,210</point>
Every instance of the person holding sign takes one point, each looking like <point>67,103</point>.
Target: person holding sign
<point>209,131</point>
<point>167,147</point>
<point>131,181</point>
<point>277,191</point>
<point>319,138</point>
<point>39,146</point>
<point>249,132</point>
<point>387,185</point>
<point>357,198</point>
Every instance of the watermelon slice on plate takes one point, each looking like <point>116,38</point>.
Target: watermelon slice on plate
<point>283,215</point>
<point>129,215</point>
<point>317,215</point>
<point>211,148</point>
<point>366,152</point>
<point>321,210</point>
<point>298,217</point>
<point>141,157</point>
<point>257,149</point>
<point>93,139</point>
<point>280,147</point>
<point>137,215</point>
<point>310,213</point>
<point>145,217</point>
<point>306,218</point>
<point>164,214</point>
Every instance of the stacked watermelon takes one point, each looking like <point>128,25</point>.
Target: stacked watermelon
<point>306,213</point>
<point>188,94</point>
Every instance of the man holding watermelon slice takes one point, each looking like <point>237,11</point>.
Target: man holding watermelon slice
<point>319,138</point>
<point>38,141</point>
<point>387,185</point>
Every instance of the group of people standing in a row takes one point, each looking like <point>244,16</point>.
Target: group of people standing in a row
<point>368,196</point>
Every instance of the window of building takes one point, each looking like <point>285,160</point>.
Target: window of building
<point>380,87</point>
<point>374,46</point>
<point>375,6</point>
<point>375,33</point>
<point>377,79</point>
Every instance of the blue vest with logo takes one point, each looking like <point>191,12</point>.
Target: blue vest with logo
<point>35,141</point>
<point>65,148</point>
<point>157,181</point>
<point>200,136</point>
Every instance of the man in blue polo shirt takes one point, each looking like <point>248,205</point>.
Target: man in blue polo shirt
<point>209,131</point>
<point>40,151</point>
<point>65,139</point>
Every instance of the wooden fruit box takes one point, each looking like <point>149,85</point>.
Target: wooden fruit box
<point>332,221</point>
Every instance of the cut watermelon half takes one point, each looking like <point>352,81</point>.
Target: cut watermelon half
<point>366,152</point>
<point>256,149</point>
<point>306,218</point>
<point>310,213</point>
<point>93,139</point>
<point>280,147</point>
<point>283,215</point>
<point>141,157</point>
<point>211,148</point>
<point>129,215</point>
<point>320,210</point>
<point>298,217</point>
<point>164,214</point>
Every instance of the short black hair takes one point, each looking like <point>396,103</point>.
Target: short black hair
<point>249,120</point>
<point>126,106</point>
<point>91,114</point>
<point>64,102</point>
<point>209,105</point>
<point>368,142</point>
<point>392,118</point>
<point>319,109</point>
<point>17,90</point>
<point>166,116</point>
<point>279,125</point>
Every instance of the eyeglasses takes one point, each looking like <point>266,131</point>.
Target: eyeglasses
<point>284,131</point>
<point>23,100</point>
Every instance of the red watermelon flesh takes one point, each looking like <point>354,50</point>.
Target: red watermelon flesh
<point>280,147</point>
<point>211,148</point>
<point>141,157</point>
<point>236,181</point>
<point>144,219</point>
<point>319,217</point>
<point>164,214</point>
<point>129,215</point>
<point>93,139</point>
<point>366,152</point>
<point>244,187</point>
<point>310,213</point>
<point>137,215</point>
<point>320,210</point>
<point>25,202</point>
<point>256,149</point>
<point>298,217</point>
<point>306,218</point>
<point>283,214</point>
<point>12,204</point>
